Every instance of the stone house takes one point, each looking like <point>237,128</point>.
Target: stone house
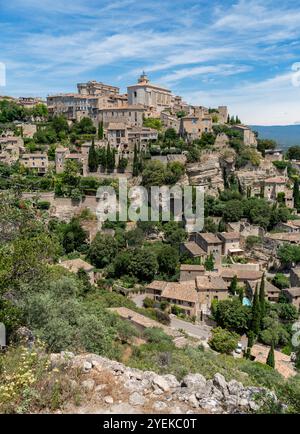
<point>210,287</point>
<point>10,155</point>
<point>170,121</point>
<point>192,127</point>
<point>231,243</point>
<point>273,155</point>
<point>35,161</point>
<point>293,295</point>
<point>190,272</point>
<point>248,278</point>
<point>130,115</point>
<point>295,276</point>
<point>74,265</point>
<point>275,185</point>
<point>249,137</point>
<point>211,244</point>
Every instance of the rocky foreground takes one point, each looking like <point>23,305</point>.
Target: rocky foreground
<point>111,387</point>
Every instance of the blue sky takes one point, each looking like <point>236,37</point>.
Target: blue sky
<point>236,53</point>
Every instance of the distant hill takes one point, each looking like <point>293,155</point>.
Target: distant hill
<point>285,136</point>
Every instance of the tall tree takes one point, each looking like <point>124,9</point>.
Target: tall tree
<point>100,130</point>
<point>256,314</point>
<point>93,158</point>
<point>233,285</point>
<point>209,263</point>
<point>262,300</point>
<point>296,194</point>
<point>271,357</point>
<point>136,165</point>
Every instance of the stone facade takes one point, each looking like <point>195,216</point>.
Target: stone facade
<point>149,95</point>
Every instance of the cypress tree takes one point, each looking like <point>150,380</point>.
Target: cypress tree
<point>136,163</point>
<point>233,285</point>
<point>271,357</point>
<point>256,314</point>
<point>209,263</point>
<point>296,194</point>
<point>228,119</point>
<point>100,130</point>
<point>93,158</point>
<point>262,300</point>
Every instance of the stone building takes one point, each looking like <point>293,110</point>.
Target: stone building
<point>192,126</point>
<point>149,95</point>
<point>35,161</point>
<point>211,244</point>
<point>275,185</point>
<point>170,121</point>
<point>190,271</point>
<point>231,243</point>
<point>10,155</point>
<point>74,265</point>
<point>130,115</point>
<point>249,136</point>
<point>293,295</point>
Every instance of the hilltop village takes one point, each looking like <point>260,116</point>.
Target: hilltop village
<point>152,295</point>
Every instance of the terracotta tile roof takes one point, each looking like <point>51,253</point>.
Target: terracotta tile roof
<point>157,284</point>
<point>191,267</point>
<point>193,247</point>
<point>229,273</point>
<point>285,236</point>
<point>211,283</point>
<point>183,291</point>
<point>294,292</point>
<point>283,362</point>
<point>229,235</point>
<point>76,264</point>
<point>269,287</point>
<point>210,238</point>
<point>276,180</point>
<point>142,320</point>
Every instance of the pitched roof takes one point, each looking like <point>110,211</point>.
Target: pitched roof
<point>229,235</point>
<point>76,264</point>
<point>210,238</point>
<point>183,291</point>
<point>229,273</point>
<point>211,283</point>
<point>193,247</point>
<point>269,287</point>
<point>191,267</point>
<point>276,180</point>
<point>294,292</point>
<point>157,284</point>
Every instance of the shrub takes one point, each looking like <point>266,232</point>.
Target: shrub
<point>223,340</point>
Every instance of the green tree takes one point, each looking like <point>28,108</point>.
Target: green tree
<point>233,285</point>
<point>232,315</point>
<point>168,259</point>
<point>233,211</point>
<point>74,236</point>
<point>296,194</point>
<point>100,131</point>
<point>262,297</point>
<point>223,340</point>
<point>209,263</point>
<point>136,166</point>
<point>271,357</point>
<point>256,314</point>
<point>103,250</point>
<point>93,158</point>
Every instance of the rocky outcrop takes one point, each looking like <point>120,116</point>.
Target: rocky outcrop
<point>112,387</point>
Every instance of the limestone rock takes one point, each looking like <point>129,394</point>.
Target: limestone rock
<point>136,399</point>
